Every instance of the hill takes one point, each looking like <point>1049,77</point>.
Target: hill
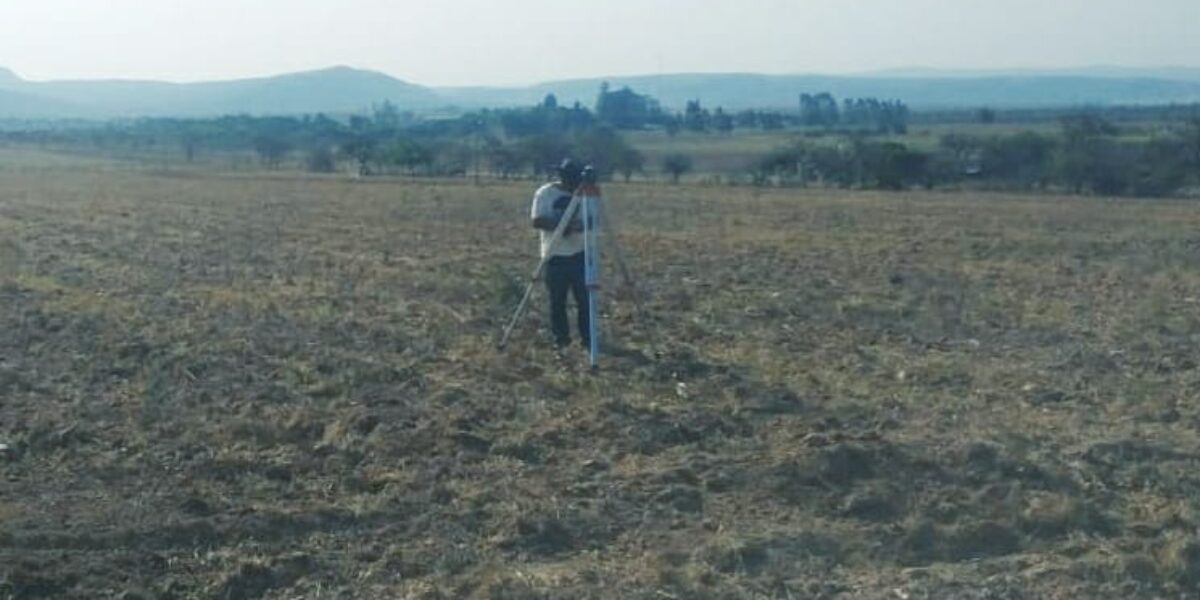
<point>8,77</point>
<point>14,103</point>
<point>345,89</point>
<point>338,89</point>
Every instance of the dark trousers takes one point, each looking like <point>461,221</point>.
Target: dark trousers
<point>565,274</point>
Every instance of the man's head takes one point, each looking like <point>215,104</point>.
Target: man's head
<point>570,174</point>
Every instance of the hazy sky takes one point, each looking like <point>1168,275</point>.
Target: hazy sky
<point>459,42</point>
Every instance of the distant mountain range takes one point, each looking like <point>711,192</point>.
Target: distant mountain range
<point>340,90</point>
<point>1171,73</point>
<point>335,90</point>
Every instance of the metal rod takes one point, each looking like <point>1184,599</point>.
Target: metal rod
<point>591,268</point>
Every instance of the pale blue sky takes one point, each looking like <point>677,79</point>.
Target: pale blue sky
<point>460,42</point>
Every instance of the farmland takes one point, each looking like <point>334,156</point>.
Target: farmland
<point>275,384</point>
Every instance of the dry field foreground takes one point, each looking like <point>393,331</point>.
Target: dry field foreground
<point>279,386</point>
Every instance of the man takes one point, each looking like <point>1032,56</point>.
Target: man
<point>564,269</point>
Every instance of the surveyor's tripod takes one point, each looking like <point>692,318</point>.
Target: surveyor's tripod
<point>587,201</point>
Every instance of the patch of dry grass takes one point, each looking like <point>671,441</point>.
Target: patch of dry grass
<point>278,386</point>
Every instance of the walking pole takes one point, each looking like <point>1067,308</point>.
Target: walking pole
<point>537,273</point>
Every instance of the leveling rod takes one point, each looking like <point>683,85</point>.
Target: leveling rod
<point>591,266</point>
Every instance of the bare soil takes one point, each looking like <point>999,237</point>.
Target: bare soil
<point>280,386</point>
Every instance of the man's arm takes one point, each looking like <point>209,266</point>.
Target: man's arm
<point>547,219</point>
<point>542,218</point>
<point>550,224</point>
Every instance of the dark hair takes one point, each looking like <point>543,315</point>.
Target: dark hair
<point>570,169</point>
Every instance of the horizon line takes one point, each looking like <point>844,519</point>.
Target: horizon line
<point>912,71</point>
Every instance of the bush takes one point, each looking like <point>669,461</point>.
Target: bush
<point>676,165</point>
<point>1161,168</point>
<point>892,166</point>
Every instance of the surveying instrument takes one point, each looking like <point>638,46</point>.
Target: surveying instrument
<point>587,202</point>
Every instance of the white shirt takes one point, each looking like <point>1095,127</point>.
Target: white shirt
<point>549,202</point>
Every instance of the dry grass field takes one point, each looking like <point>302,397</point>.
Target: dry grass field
<point>280,386</point>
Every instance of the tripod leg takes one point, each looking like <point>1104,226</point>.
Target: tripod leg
<point>537,273</point>
<point>512,323</point>
<point>619,255</point>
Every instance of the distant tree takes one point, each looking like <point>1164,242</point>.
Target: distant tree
<point>1089,157</point>
<point>322,160</point>
<point>190,141</point>
<point>451,158</point>
<point>785,164</point>
<point>770,121</point>
<point>272,149</point>
<point>1098,164</point>
<point>532,121</point>
<point>676,164</point>
<point>541,152</point>
<point>626,109</point>
<point>963,152</point>
<point>695,117</point>
<point>722,122</point>
<point>1082,126</point>
<point>746,119</point>
<point>873,114</point>
<point>405,154</point>
<point>386,116</point>
<point>985,115</point>
<point>672,126</point>
<point>550,102</point>
<point>578,117</point>
<point>629,161</point>
<point>819,110</point>
<point>853,114</point>
<point>602,99</point>
<point>359,123</point>
<point>809,116</point>
<point>891,165</point>
<point>895,117</point>
<point>1024,159</point>
<point>362,149</point>
<point>834,165</point>
<point>505,159</point>
<point>1161,167</point>
<point>1190,143</point>
<point>602,147</point>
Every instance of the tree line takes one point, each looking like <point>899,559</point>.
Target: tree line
<point>1088,154</point>
<point>863,114</point>
<point>626,109</point>
<point>1102,153</point>
<point>501,142</point>
<point>506,142</point>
